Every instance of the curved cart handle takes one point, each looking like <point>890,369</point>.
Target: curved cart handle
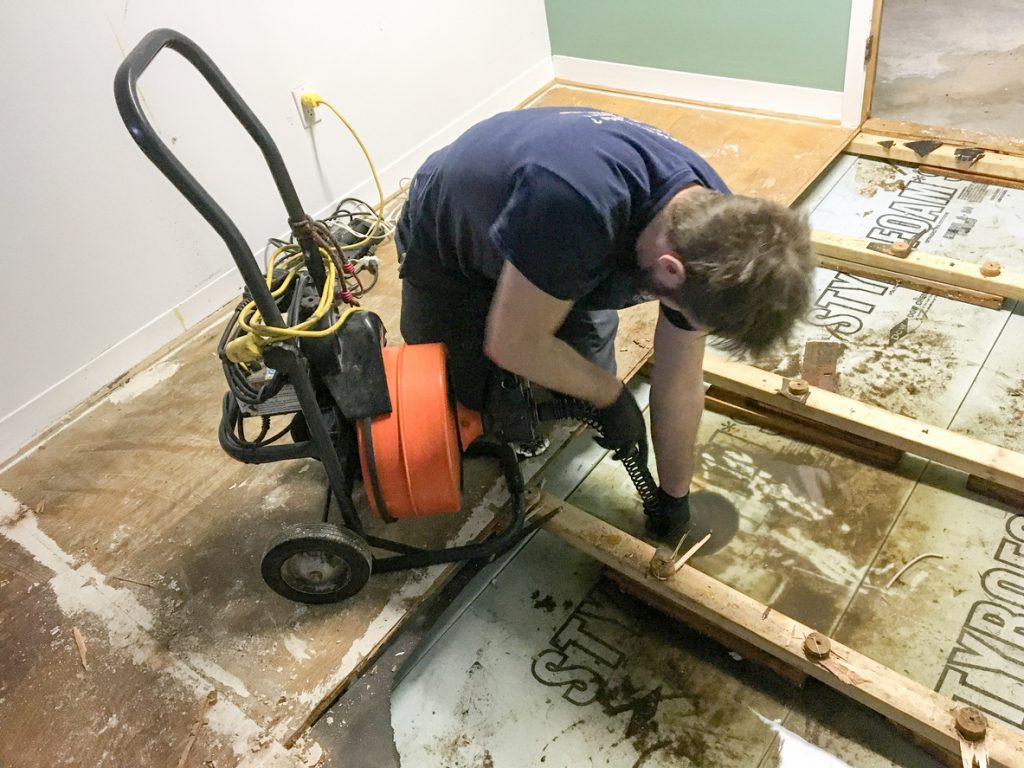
<point>128,104</point>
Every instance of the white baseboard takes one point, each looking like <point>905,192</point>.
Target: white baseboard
<point>31,419</point>
<point>747,94</point>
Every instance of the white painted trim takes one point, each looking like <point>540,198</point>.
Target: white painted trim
<point>855,81</point>
<point>46,409</point>
<point>748,94</point>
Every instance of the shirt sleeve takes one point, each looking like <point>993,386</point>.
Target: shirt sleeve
<point>553,234</point>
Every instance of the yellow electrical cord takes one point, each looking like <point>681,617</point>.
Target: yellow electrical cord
<point>249,347</point>
<point>314,100</point>
<point>249,318</point>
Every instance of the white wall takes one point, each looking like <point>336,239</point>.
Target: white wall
<point>103,261</point>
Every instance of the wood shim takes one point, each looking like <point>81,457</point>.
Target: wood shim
<point>975,457</point>
<point>992,164</point>
<point>903,701</point>
<point>938,269</point>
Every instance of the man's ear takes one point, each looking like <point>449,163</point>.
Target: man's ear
<point>672,271</point>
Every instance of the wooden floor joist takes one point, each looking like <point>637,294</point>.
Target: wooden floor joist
<point>967,454</point>
<point>707,628</point>
<point>751,411</point>
<point>995,165</point>
<point>946,291</point>
<point>939,270</point>
<point>926,713</point>
<point>907,131</point>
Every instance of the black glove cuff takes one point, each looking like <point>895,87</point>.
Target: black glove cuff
<point>664,498</point>
<point>618,405</point>
<point>671,516</point>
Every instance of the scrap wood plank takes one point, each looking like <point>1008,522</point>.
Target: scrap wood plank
<point>941,269</point>
<point>995,491</point>
<point>904,701</point>
<point>996,165</point>
<point>967,454</point>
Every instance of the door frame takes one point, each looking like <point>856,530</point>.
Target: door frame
<point>861,60</point>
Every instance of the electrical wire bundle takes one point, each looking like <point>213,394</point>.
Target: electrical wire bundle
<point>345,242</point>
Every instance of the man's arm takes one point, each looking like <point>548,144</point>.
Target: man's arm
<point>677,400</point>
<point>520,338</point>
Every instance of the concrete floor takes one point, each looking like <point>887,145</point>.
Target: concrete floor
<point>947,63</point>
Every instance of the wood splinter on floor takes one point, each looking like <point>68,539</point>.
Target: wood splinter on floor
<point>907,567</point>
<point>80,644</point>
<point>193,733</point>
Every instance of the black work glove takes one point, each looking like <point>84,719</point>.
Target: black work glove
<point>622,427</point>
<point>671,516</point>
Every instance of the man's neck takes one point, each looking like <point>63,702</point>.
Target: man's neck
<point>653,239</point>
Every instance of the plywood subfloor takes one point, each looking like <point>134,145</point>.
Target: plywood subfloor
<point>938,67</point>
<point>132,526</point>
<point>756,154</point>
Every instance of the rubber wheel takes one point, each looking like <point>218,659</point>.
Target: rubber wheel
<point>316,563</point>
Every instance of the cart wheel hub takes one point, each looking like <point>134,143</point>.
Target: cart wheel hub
<point>316,563</point>
<point>316,572</point>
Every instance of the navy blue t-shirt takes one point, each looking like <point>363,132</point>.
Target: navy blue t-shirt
<point>562,193</point>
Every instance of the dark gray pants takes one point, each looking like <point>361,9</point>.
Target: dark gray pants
<point>457,316</point>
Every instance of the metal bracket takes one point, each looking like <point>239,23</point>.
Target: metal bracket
<point>924,147</point>
<point>969,155</point>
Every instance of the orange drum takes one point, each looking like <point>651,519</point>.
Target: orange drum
<point>411,458</point>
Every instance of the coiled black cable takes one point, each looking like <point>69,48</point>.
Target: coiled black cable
<point>635,462</point>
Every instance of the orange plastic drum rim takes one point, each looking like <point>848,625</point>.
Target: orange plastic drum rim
<point>416,451</point>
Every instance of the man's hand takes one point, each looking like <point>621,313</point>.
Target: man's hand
<point>622,427</point>
<point>671,516</point>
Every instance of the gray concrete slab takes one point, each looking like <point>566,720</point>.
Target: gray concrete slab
<point>947,63</point>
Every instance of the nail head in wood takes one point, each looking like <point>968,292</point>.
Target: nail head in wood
<point>798,387</point>
<point>900,248</point>
<point>971,723</point>
<point>991,268</point>
<point>818,647</point>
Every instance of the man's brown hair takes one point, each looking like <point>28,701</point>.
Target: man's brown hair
<point>748,267</point>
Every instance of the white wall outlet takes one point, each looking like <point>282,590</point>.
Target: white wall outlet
<point>307,115</point>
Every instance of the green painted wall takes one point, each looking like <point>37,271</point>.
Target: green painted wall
<point>792,42</point>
